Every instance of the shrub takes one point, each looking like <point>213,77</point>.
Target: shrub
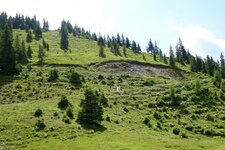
<point>104,100</point>
<point>108,119</point>
<point>38,113</point>
<point>147,122</point>
<point>75,78</point>
<point>100,77</point>
<point>209,117</point>
<point>159,126</point>
<point>66,119</point>
<point>189,128</point>
<point>63,103</point>
<point>126,109</point>
<point>176,131</point>
<point>53,75</point>
<point>40,125</point>
<point>69,113</point>
<point>157,116</point>
<point>184,135</point>
<point>148,82</point>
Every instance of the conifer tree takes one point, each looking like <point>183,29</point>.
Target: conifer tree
<point>29,38</point>
<point>29,52</point>
<point>41,55</point>
<point>64,43</point>
<point>134,46</point>
<point>128,45</point>
<point>91,110</point>
<point>38,31</point>
<point>24,53</point>
<point>150,47</point>
<point>171,59</point>
<point>164,59</point>
<point>124,51</point>
<point>7,53</point>
<point>222,66</point>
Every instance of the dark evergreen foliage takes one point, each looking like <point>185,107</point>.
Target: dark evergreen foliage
<point>53,75</point>
<point>64,42</point>
<point>7,53</point>
<point>171,59</point>
<point>75,78</point>
<point>29,52</point>
<point>64,103</point>
<point>91,110</point>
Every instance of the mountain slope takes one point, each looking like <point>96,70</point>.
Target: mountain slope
<point>141,113</point>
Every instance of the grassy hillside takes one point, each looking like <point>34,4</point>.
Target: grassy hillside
<point>141,115</point>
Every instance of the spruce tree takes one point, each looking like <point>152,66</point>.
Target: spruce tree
<point>29,52</point>
<point>171,59</point>
<point>91,110</point>
<point>8,57</point>
<point>29,38</point>
<point>124,51</point>
<point>165,59</point>
<point>24,53</point>
<point>64,43</point>
<point>222,66</point>
<point>128,45</point>
<point>38,31</point>
<point>150,47</point>
<point>41,55</point>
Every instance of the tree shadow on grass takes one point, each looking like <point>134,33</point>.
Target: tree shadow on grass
<point>96,127</point>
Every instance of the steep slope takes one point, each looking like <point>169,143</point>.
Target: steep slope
<point>141,113</point>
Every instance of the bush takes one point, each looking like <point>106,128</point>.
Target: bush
<point>108,119</point>
<point>189,128</point>
<point>147,122</point>
<point>63,103</point>
<point>40,125</point>
<point>126,109</point>
<point>69,113</point>
<point>100,77</point>
<point>53,75</point>
<point>75,78</point>
<point>176,131</point>
<point>148,82</point>
<point>184,135</point>
<point>104,100</point>
<point>38,113</point>
<point>157,116</point>
<point>66,119</point>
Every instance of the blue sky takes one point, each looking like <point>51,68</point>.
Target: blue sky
<point>200,23</point>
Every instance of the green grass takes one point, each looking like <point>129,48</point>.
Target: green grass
<point>22,95</point>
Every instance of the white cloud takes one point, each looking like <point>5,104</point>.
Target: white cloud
<point>199,40</point>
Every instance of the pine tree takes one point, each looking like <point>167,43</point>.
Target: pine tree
<point>128,45</point>
<point>17,48</point>
<point>8,57</point>
<point>222,66</point>
<point>29,38</point>
<point>101,44</point>
<point>41,55</point>
<point>91,110</point>
<point>154,54</point>
<point>150,47</point>
<point>29,52</point>
<point>171,59</point>
<point>24,53</point>
<point>38,31</point>
<point>124,51</point>
<point>164,59</point>
<point>64,43</point>
<point>193,64</point>
<point>160,55</point>
<point>119,40</point>
<point>134,46</point>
